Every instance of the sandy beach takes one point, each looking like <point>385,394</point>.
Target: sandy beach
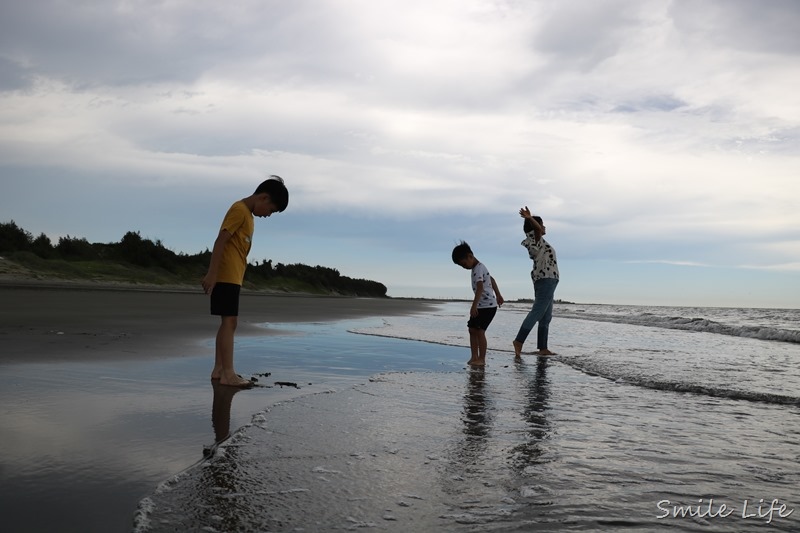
<point>71,322</point>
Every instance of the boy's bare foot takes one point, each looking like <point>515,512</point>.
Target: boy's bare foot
<point>545,352</point>
<point>517,349</point>
<point>241,384</point>
<point>477,362</point>
<point>234,380</point>
<point>216,378</point>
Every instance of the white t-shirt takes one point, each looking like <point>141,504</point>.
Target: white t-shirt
<point>481,273</point>
<point>545,264</point>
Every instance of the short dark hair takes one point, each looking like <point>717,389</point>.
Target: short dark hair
<point>277,191</point>
<point>461,252</point>
<point>527,225</point>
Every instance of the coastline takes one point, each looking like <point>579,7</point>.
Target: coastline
<point>379,431</point>
<point>74,321</point>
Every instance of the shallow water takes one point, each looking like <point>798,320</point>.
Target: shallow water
<point>711,351</point>
<point>632,427</point>
<point>92,439</point>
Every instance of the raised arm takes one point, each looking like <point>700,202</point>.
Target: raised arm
<point>538,230</point>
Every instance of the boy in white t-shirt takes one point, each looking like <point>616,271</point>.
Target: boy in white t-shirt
<point>484,304</point>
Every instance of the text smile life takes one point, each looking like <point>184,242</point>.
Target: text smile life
<point>766,511</point>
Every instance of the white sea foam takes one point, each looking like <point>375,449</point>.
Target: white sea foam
<point>731,353</point>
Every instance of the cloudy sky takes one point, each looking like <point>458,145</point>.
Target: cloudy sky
<point>658,139</point>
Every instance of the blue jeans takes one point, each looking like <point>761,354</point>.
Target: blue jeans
<point>542,312</point>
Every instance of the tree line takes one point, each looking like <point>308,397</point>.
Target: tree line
<point>134,250</point>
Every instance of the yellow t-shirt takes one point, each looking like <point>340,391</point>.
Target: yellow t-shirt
<point>239,223</point>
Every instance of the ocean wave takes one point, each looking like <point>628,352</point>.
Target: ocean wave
<point>649,382</point>
<point>697,324</point>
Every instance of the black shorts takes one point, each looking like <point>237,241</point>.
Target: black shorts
<point>484,318</point>
<point>225,299</point>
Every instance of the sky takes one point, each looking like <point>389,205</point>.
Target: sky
<point>659,140</point>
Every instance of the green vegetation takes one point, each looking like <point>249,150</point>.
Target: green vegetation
<point>138,260</point>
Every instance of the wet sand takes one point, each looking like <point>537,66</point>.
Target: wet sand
<point>73,322</point>
<point>106,392</point>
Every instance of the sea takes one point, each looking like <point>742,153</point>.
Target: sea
<point>647,418</point>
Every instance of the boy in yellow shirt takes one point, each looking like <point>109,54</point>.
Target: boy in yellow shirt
<point>226,269</point>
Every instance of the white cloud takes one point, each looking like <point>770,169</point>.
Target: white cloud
<point>632,127</point>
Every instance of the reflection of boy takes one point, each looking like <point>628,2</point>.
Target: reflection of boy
<point>226,269</point>
<point>484,304</point>
<point>221,410</point>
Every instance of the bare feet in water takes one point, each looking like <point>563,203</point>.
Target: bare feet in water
<point>232,379</point>
<point>477,362</point>
<point>238,381</point>
<point>545,352</point>
<point>517,349</point>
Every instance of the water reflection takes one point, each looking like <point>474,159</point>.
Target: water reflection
<point>469,452</point>
<point>535,388</point>
<point>221,411</point>
<point>219,477</point>
<point>475,405</point>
